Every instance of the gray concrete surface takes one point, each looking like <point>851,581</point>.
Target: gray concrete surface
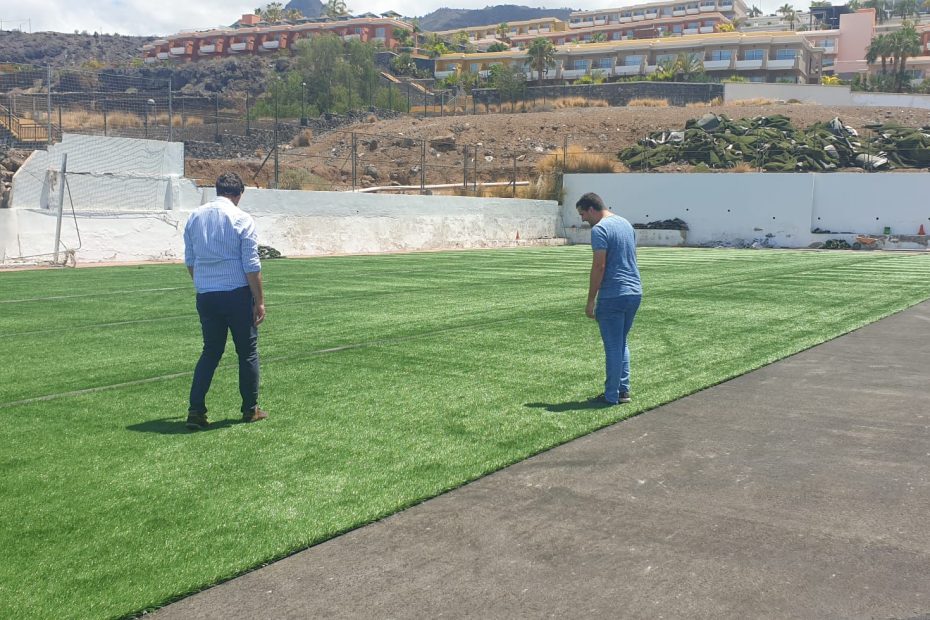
<point>801,490</point>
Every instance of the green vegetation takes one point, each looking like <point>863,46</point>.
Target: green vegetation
<point>389,379</point>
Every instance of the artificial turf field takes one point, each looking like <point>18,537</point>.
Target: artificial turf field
<point>388,379</point>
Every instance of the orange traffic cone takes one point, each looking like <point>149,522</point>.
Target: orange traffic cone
<point>920,231</point>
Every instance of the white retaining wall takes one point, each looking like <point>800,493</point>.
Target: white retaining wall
<point>295,223</point>
<point>779,208</point>
<point>824,95</point>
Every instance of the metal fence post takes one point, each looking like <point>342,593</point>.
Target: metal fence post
<point>514,194</point>
<point>49,102</point>
<point>465,167</point>
<point>248,115</point>
<point>170,114</point>
<point>354,160</point>
<point>423,167</point>
<point>106,108</point>
<point>216,116</point>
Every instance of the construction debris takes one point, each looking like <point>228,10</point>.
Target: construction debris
<point>674,224</point>
<point>772,143</point>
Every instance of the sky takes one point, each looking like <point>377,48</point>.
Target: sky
<point>145,17</point>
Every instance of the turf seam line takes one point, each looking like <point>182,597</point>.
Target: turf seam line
<point>98,294</point>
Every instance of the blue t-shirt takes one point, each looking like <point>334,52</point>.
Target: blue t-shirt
<point>621,275</point>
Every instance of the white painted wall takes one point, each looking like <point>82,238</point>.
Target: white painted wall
<point>782,208</point>
<point>823,95</point>
<point>808,93</point>
<point>105,174</point>
<point>295,223</point>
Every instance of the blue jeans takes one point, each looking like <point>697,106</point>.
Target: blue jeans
<point>615,318</point>
<point>220,312</point>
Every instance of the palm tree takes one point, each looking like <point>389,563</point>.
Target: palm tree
<point>905,44</point>
<point>879,6</point>
<point>788,14</point>
<point>503,30</point>
<point>292,15</point>
<point>335,8</point>
<point>906,8</point>
<point>880,47</point>
<point>540,56</point>
<point>853,5</point>
<point>598,37</point>
<point>755,11</point>
<point>272,13</point>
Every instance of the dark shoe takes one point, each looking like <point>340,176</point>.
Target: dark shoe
<point>600,399</point>
<point>625,397</point>
<point>197,421</point>
<point>254,415</point>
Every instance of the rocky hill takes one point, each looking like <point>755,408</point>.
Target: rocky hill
<point>69,50</point>
<point>450,19</point>
<point>308,8</point>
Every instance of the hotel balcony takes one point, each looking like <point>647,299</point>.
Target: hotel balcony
<point>442,74</point>
<point>707,8</point>
<point>680,13</point>
<point>706,29</point>
<point>238,47</point>
<point>178,51</point>
<point>784,63</point>
<point>627,69</point>
<point>692,10</point>
<point>626,19</point>
<point>207,49</point>
<point>271,45</point>
<point>728,6</point>
<point>572,74</point>
<point>351,37</point>
<point>748,65</point>
<point>650,69</point>
<point>600,21</point>
<point>690,31</point>
<point>716,65</point>
<point>927,46</point>
<point>163,55</point>
<point>149,59</point>
<point>652,15</point>
<point>638,18</point>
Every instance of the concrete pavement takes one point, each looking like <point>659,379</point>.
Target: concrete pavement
<point>801,490</point>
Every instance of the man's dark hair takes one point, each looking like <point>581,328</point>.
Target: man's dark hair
<point>229,185</point>
<point>590,201</point>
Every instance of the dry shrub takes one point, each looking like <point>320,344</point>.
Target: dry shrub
<point>577,160</point>
<point>303,138</point>
<point>297,178</point>
<point>580,102</point>
<point>750,102</point>
<point>648,103</point>
<point>371,118</point>
<point>742,167</point>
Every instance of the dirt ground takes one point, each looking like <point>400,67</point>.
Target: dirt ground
<point>507,145</point>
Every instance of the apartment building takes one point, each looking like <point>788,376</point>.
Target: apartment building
<point>482,37</point>
<point>254,37</point>
<point>758,57</point>
<point>657,11</point>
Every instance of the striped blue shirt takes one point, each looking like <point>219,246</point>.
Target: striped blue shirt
<point>221,244</point>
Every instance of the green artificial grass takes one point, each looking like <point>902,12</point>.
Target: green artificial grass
<point>389,379</point>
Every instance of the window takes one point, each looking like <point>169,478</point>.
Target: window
<point>603,63</point>
<point>721,55</point>
<point>756,78</point>
<point>694,24</point>
<point>475,67</point>
<point>580,64</point>
<point>676,28</point>
<point>632,61</point>
<point>358,30</point>
<point>615,35</point>
<point>828,62</point>
<point>379,33</point>
<point>753,55</point>
<point>786,54</point>
<point>587,37</point>
<point>662,58</point>
<point>666,11</point>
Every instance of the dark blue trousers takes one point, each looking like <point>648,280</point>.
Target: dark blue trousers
<point>220,312</point>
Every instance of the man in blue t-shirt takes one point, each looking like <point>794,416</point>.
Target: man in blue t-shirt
<point>616,287</point>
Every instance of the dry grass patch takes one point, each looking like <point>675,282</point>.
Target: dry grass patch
<point>646,102</point>
<point>742,167</point>
<point>751,102</point>
<point>576,159</point>
<point>580,102</point>
<point>705,104</point>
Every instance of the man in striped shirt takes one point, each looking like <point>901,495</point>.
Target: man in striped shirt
<point>221,254</point>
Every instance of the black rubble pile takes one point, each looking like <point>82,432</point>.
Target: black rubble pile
<point>674,224</point>
<point>772,143</point>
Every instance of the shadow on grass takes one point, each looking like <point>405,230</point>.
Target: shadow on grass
<point>175,426</point>
<point>572,405</point>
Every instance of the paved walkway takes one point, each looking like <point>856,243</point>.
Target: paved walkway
<point>801,490</point>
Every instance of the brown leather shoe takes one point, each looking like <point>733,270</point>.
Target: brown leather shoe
<point>254,415</point>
